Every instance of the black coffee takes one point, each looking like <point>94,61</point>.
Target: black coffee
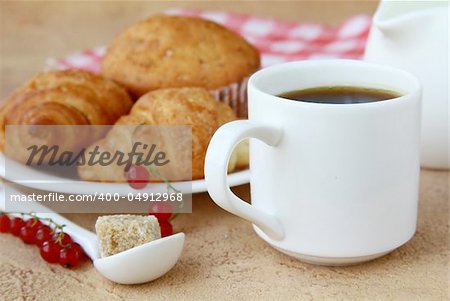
<point>340,95</point>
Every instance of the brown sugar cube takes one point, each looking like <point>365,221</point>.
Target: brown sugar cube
<point>118,233</point>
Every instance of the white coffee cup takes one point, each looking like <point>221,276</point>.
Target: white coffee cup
<point>330,183</point>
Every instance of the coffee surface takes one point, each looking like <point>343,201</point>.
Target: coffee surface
<point>340,95</point>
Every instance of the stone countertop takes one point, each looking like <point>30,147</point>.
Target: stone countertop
<point>223,259</point>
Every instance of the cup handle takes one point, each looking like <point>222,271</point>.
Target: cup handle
<point>216,163</point>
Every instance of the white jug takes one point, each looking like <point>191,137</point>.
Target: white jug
<point>413,35</point>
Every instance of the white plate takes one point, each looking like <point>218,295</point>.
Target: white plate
<point>44,181</point>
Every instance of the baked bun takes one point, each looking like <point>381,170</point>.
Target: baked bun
<point>69,97</point>
<point>194,107</point>
<point>173,51</point>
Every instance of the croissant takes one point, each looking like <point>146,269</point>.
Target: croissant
<point>69,97</point>
<point>193,107</point>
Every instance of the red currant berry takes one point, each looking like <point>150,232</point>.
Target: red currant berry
<point>27,234</point>
<point>63,238</point>
<point>161,210</point>
<point>69,257</point>
<point>166,228</point>
<point>33,223</point>
<point>137,176</point>
<point>50,251</point>
<point>5,223</point>
<point>80,250</point>
<point>16,224</point>
<point>43,234</point>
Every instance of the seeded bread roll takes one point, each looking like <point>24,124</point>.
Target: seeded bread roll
<point>118,233</point>
<point>173,51</point>
<point>241,152</point>
<point>176,106</point>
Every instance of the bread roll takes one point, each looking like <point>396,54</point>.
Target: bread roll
<point>176,51</point>
<point>194,107</point>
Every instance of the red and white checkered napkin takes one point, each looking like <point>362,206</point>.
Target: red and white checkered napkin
<point>278,41</point>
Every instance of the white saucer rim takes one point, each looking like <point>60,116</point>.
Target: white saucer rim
<point>73,186</point>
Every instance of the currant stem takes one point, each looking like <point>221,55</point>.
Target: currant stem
<point>169,187</point>
<point>174,215</point>
<point>164,179</point>
<point>53,225</point>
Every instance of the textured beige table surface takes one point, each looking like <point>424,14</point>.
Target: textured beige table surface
<point>223,259</point>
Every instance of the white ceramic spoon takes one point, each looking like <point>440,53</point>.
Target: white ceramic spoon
<point>137,265</point>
